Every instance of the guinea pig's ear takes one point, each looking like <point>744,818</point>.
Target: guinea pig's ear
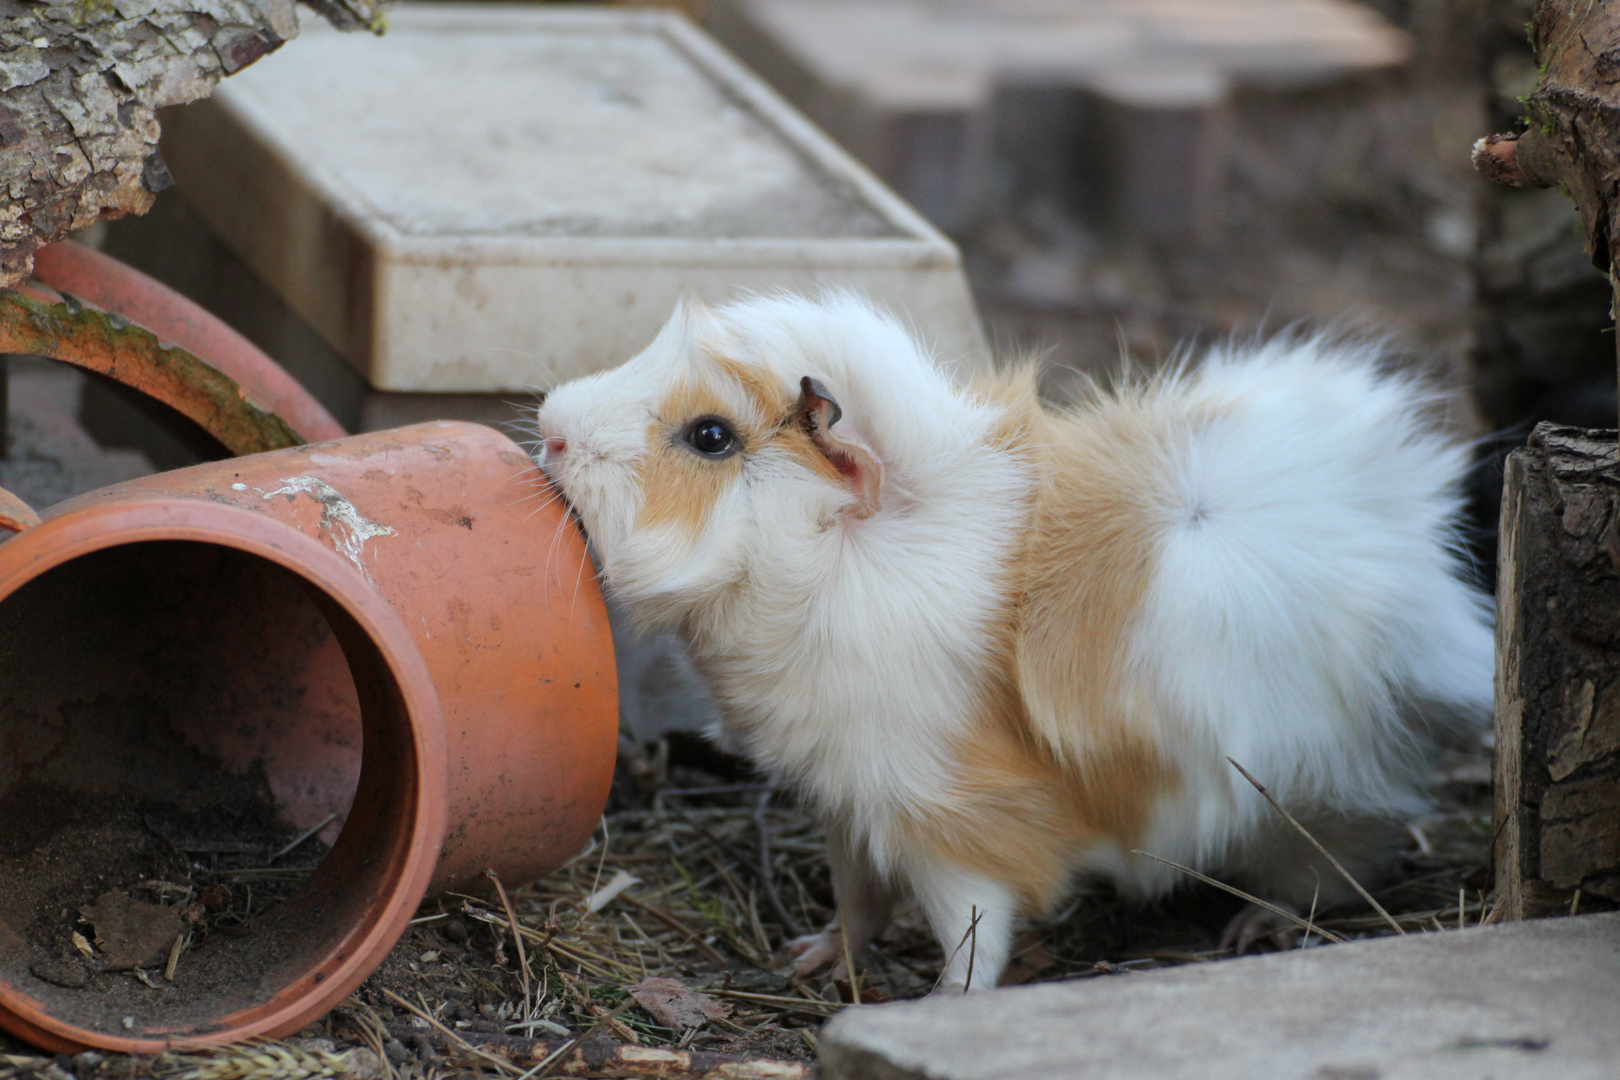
<point>818,411</point>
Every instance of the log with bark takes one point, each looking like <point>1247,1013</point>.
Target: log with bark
<point>80,85</point>
<point>1557,843</point>
<point>1557,837</point>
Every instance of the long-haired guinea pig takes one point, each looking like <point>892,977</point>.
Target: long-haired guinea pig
<point>999,647</point>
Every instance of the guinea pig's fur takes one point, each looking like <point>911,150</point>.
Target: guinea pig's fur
<point>999,646</point>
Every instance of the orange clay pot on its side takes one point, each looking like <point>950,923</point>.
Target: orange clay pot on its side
<point>72,268</point>
<point>397,634</point>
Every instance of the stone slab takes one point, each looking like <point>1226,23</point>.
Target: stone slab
<point>1517,1001</point>
<point>494,197</point>
<point>905,83</point>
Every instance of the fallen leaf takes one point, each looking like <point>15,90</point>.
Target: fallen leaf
<point>870,995</point>
<point>676,1005</point>
<point>1028,964</point>
<point>64,973</point>
<point>81,943</point>
<point>132,933</point>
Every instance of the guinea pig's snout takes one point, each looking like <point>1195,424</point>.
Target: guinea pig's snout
<point>553,449</point>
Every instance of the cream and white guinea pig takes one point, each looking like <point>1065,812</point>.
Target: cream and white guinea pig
<point>999,646</point>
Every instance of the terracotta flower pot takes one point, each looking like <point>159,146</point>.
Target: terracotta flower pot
<point>162,345</point>
<point>400,629</point>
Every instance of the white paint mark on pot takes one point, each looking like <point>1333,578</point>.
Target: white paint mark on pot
<point>348,529</point>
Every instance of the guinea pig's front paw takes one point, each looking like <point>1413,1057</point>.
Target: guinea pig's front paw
<point>812,952</point>
<point>1255,923</point>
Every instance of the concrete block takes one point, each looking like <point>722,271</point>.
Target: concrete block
<point>1138,153</point>
<point>495,197</point>
<point>906,84</point>
<point>1519,1001</point>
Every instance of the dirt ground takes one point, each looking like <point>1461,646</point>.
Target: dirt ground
<point>699,873</point>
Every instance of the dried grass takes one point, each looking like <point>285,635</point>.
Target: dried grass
<point>725,870</point>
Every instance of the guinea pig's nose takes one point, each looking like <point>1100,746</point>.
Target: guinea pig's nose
<point>556,446</point>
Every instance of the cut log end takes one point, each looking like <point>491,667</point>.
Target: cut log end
<point>1495,159</point>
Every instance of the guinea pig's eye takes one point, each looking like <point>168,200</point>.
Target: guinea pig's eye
<point>712,437</point>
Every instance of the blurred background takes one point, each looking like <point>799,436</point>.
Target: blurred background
<point>1139,174</point>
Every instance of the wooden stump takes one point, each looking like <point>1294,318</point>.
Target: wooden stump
<point>1557,831</point>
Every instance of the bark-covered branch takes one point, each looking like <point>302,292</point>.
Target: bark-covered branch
<point>80,83</point>
<point>1572,137</point>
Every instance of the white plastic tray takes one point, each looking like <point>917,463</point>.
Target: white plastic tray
<point>493,198</point>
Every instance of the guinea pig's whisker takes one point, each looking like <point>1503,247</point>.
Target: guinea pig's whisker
<point>579,577</point>
<point>557,536</point>
<point>551,548</point>
<point>579,574</point>
<point>524,425</point>
<point>554,497</point>
<point>537,485</point>
<point>529,477</point>
<point>536,490</point>
<point>539,488</point>
<point>555,532</point>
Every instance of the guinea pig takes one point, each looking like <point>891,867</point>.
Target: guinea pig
<point>999,647</point>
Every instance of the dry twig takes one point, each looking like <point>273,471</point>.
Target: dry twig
<point>1255,900</point>
<point>517,941</point>
<point>1303,831</point>
<point>601,1057</point>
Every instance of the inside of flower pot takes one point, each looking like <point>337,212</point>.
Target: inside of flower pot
<point>207,786</point>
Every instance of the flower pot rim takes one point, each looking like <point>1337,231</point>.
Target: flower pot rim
<point>82,530</point>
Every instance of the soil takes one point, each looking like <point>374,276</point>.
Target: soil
<point>697,831</point>
<point>70,861</point>
<point>686,822</point>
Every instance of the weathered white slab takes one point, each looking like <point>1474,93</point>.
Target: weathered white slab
<point>1521,1001</point>
<point>938,55</point>
<point>493,197</point>
<point>904,83</point>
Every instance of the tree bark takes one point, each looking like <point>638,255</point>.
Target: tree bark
<point>1558,677</point>
<point>1573,135</point>
<point>80,83</point>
